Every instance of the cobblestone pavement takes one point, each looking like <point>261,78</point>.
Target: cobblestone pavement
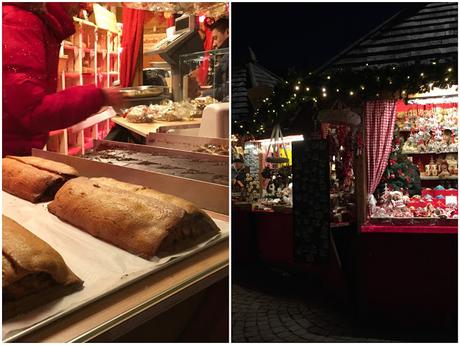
<point>280,309</point>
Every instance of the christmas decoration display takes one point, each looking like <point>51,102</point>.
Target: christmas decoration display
<point>429,117</point>
<point>348,86</point>
<point>279,186</point>
<point>430,204</point>
<point>431,129</point>
<point>252,188</point>
<point>400,174</point>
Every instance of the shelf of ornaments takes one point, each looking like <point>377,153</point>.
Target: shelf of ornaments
<point>428,153</point>
<point>415,129</point>
<point>437,178</point>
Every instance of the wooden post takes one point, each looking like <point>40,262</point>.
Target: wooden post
<point>360,167</point>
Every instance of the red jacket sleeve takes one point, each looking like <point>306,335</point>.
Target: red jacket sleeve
<point>25,95</point>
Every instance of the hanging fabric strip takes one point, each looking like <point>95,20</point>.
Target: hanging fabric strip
<point>380,121</point>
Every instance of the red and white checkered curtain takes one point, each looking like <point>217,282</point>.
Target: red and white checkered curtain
<point>380,121</point>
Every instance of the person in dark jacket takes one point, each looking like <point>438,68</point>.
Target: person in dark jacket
<point>220,37</point>
<point>32,34</point>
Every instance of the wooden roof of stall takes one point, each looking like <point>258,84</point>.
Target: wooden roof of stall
<point>245,77</point>
<point>419,34</point>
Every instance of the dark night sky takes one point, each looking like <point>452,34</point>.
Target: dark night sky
<point>302,36</point>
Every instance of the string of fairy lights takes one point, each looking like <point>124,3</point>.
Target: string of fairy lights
<point>351,87</point>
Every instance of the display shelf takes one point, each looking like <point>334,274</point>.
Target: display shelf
<point>87,57</point>
<point>436,178</point>
<point>417,129</point>
<point>74,150</point>
<point>72,75</point>
<point>428,153</point>
<point>70,47</point>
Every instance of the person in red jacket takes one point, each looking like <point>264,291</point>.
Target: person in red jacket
<point>32,34</point>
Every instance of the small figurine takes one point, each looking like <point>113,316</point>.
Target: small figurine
<point>444,170</point>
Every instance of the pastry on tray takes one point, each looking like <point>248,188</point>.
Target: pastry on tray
<point>34,179</point>
<point>139,220</point>
<point>33,273</point>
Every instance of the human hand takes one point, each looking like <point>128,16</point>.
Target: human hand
<point>114,98</point>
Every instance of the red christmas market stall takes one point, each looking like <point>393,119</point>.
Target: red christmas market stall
<point>378,159</point>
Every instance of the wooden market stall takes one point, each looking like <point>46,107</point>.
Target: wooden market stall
<point>402,261</point>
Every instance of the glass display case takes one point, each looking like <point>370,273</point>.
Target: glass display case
<point>205,73</point>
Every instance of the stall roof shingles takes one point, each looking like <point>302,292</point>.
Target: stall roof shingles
<point>412,36</point>
<point>243,79</point>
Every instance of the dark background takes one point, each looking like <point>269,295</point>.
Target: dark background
<point>302,36</point>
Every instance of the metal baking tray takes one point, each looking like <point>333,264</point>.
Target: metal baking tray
<point>185,142</point>
<point>143,91</point>
<point>207,195</point>
<point>109,260</point>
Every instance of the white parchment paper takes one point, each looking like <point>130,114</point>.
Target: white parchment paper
<point>103,268</point>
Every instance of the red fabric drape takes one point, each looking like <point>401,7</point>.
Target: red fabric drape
<point>203,72</point>
<point>380,121</point>
<point>131,42</point>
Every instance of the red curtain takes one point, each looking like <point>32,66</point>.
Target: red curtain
<point>380,120</point>
<point>203,72</point>
<point>131,42</point>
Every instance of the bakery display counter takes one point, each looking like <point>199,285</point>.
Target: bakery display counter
<point>208,195</point>
<point>123,285</point>
<point>216,146</point>
<point>118,313</point>
<point>144,129</point>
<point>196,166</point>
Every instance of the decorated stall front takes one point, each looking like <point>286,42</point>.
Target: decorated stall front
<point>402,185</point>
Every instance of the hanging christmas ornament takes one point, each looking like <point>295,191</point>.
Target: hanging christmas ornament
<point>275,147</point>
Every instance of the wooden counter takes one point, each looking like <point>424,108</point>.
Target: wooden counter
<point>143,129</point>
<point>123,311</point>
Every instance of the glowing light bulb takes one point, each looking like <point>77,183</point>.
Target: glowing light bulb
<point>351,93</point>
<point>297,88</point>
<point>328,77</point>
<point>338,90</point>
<point>202,18</point>
<point>324,94</point>
<point>450,69</point>
<point>323,89</point>
<point>421,74</point>
<point>308,89</point>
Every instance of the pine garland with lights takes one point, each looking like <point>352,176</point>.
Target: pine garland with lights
<point>351,87</point>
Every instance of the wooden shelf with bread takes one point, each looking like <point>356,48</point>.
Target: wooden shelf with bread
<point>90,56</point>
